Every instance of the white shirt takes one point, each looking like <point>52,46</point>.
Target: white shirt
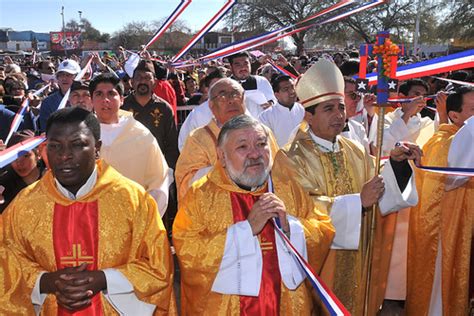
<point>255,98</point>
<point>282,121</point>
<point>417,130</point>
<point>461,154</point>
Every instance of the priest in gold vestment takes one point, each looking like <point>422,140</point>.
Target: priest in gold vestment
<point>14,299</point>
<point>231,259</point>
<point>442,225</point>
<point>88,240</point>
<point>339,175</point>
<point>226,100</point>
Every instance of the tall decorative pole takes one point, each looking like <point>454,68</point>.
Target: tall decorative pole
<point>386,72</point>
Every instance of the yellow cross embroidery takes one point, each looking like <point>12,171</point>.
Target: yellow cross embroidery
<point>77,258</point>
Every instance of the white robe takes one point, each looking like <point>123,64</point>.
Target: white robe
<point>282,121</point>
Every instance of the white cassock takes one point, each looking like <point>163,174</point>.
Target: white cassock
<point>417,130</point>
<point>132,150</point>
<point>200,116</point>
<point>356,133</point>
<point>282,121</point>
<point>371,130</point>
<point>242,253</point>
<point>257,92</point>
<point>345,214</point>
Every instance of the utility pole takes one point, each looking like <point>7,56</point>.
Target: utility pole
<point>64,32</point>
<point>417,28</point>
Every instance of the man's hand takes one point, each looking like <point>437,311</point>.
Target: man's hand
<point>372,191</point>
<point>266,105</point>
<point>413,108</point>
<point>369,100</point>
<point>440,102</point>
<point>267,207</point>
<point>282,61</point>
<point>73,287</point>
<point>406,151</point>
<point>75,291</point>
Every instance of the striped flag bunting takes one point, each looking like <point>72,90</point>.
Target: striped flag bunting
<point>466,172</point>
<point>21,113</point>
<point>176,13</point>
<point>282,70</point>
<point>330,301</point>
<point>275,35</point>
<point>208,26</point>
<point>462,83</point>
<point>430,67</point>
<point>16,151</point>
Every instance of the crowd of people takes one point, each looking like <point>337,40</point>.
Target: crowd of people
<point>126,194</point>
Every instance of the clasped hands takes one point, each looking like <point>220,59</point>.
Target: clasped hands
<point>267,207</point>
<point>73,287</point>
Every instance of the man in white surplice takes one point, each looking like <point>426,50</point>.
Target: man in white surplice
<point>286,114</point>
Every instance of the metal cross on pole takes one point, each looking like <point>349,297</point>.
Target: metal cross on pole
<point>387,55</point>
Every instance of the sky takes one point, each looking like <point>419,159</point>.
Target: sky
<point>107,16</point>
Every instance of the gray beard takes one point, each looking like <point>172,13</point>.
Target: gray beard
<point>244,180</point>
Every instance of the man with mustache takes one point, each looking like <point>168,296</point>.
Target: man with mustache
<point>152,111</point>
<point>339,174</point>
<point>226,100</point>
<point>232,261</point>
<point>258,91</point>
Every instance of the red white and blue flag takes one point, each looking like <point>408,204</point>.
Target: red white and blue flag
<point>16,151</point>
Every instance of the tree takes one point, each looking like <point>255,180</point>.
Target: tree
<point>458,21</point>
<point>88,31</point>
<point>260,15</point>
<point>132,35</point>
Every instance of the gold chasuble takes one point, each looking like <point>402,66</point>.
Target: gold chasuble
<point>200,152</point>
<point>14,297</point>
<point>440,217</point>
<point>212,205</point>
<point>116,225</point>
<point>326,176</point>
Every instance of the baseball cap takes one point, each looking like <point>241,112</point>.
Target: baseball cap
<point>70,66</point>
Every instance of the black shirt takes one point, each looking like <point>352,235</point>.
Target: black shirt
<point>158,117</point>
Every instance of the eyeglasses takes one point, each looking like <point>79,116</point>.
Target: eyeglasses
<point>227,96</point>
<point>353,95</point>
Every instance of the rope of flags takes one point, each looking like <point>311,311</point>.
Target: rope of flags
<point>283,32</point>
<point>466,172</point>
<point>430,67</point>
<point>462,83</point>
<point>281,69</point>
<point>176,13</point>
<point>208,26</point>
<point>330,301</point>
